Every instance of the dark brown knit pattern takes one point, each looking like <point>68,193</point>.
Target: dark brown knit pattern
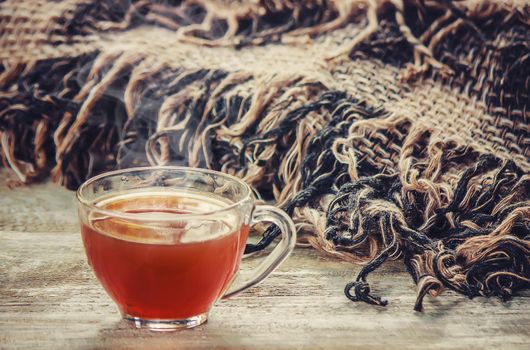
<point>388,129</point>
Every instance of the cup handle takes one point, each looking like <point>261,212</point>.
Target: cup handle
<point>268,213</point>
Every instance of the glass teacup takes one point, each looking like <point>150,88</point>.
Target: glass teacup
<point>166,242</point>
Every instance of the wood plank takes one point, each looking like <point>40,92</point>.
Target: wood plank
<point>49,298</point>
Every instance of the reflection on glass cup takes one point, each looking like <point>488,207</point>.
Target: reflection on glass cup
<point>166,242</point>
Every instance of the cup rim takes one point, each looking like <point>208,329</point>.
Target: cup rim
<point>131,216</point>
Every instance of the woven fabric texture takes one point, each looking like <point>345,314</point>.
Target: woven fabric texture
<point>388,129</point>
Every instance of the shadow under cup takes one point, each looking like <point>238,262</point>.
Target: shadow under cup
<point>166,242</point>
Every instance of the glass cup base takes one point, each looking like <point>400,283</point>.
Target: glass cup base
<point>167,325</point>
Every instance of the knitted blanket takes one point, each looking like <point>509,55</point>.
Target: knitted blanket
<point>388,129</point>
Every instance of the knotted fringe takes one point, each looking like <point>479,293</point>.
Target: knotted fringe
<point>362,184</point>
<point>216,23</point>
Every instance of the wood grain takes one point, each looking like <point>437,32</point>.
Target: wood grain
<point>49,298</point>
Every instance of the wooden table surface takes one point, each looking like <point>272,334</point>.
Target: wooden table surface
<point>49,298</point>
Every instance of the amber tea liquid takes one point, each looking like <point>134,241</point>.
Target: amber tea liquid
<point>164,266</point>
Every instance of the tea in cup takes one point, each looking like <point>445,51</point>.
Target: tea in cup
<point>166,242</point>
